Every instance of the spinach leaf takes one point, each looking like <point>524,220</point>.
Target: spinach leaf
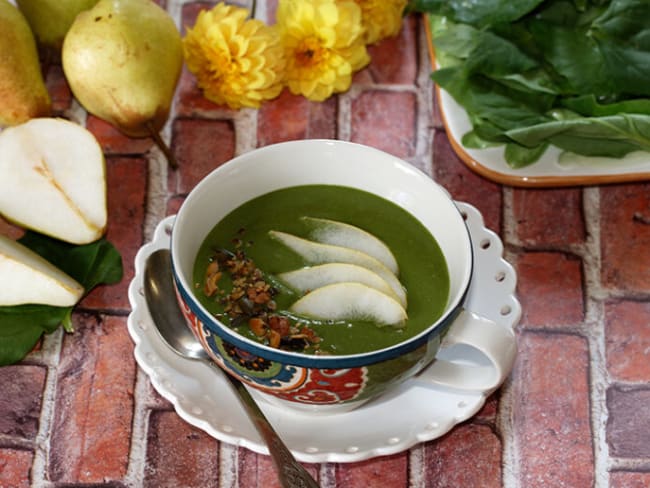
<point>571,73</point>
<point>505,108</point>
<point>625,21</point>
<point>480,13</point>
<point>588,105</point>
<point>627,67</point>
<point>613,136</point>
<point>519,156</point>
<point>573,59</point>
<point>496,57</point>
<point>91,264</point>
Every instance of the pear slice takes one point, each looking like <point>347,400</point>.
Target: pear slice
<point>53,179</point>
<point>317,253</point>
<point>312,277</point>
<point>29,278</point>
<point>346,235</point>
<point>351,301</point>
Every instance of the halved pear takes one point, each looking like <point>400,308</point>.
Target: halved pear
<point>346,235</point>
<point>317,253</point>
<point>28,278</point>
<point>351,301</point>
<point>312,277</point>
<point>53,179</point>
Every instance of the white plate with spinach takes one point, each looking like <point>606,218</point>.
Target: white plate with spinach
<point>545,92</point>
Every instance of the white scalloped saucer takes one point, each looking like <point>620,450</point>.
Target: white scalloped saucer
<point>412,413</point>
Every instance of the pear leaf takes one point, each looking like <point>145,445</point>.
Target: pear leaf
<point>93,264</point>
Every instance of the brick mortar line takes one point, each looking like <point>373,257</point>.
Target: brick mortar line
<point>511,460</point>
<point>157,194</point>
<point>595,334</point>
<point>326,475</point>
<point>640,465</point>
<point>135,472</point>
<point>245,125</point>
<point>425,107</point>
<point>343,119</point>
<point>228,465</point>
<point>52,346</point>
<point>416,466</point>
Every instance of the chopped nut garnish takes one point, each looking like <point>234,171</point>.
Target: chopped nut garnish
<point>250,301</point>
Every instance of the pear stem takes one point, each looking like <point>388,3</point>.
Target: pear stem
<point>171,159</point>
<point>253,8</point>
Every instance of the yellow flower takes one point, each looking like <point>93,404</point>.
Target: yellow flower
<point>323,43</point>
<point>381,18</point>
<point>237,62</point>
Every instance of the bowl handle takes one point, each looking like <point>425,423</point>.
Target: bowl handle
<point>492,345</point>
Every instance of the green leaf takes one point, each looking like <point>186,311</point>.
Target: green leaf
<point>457,40</point>
<point>22,326</point>
<point>611,136</point>
<point>501,106</point>
<point>518,156</point>
<point>573,57</point>
<point>92,264</point>
<point>628,68</point>
<point>481,13</point>
<point>626,21</point>
<point>588,105</point>
<point>473,141</point>
<point>495,57</point>
<point>89,264</point>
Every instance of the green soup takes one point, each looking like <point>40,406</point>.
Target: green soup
<point>422,267</point>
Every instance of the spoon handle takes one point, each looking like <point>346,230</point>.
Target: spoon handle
<point>290,472</point>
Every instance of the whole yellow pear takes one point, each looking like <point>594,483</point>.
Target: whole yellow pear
<point>122,59</point>
<point>51,19</point>
<point>22,90</point>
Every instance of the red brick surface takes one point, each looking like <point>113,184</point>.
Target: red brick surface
<point>627,336</point>
<point>126,210</point>
<point>574,412</point>
<point>552,428</point>
<point>371,126</point>
<point>291,117</point>
<point>628,426</point>
<point>464,185</point>
<point>200,146</point>
<point>387,471</point>
<point>549,217</point>
<point>178,454</point>
<point>15,467</point>
<point>394,60</point>
<point>113,141</point>
<point>626,479</point>
<point>446,458</point>
<point>58,88</point>
<point>550,290</point>
<point>625,239</point>
<point>93,416</point>
<point>20,400</point>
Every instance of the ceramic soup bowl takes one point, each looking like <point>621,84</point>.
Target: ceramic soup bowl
<point>339,382</point>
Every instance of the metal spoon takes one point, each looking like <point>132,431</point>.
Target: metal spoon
<point>169,320</point>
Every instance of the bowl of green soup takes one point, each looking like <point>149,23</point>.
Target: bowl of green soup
<point>323,273</point>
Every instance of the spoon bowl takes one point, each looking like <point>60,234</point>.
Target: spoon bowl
<point>170,323</point>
